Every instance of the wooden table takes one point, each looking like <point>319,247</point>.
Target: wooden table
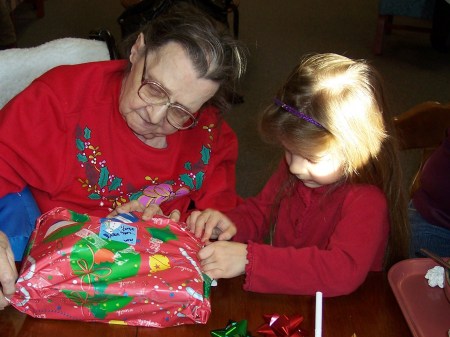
<point>371,311</point>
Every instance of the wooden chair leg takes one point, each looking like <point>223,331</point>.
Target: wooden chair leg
<point>379,35</point>
<point>40,8</point>
<point>389,23</point>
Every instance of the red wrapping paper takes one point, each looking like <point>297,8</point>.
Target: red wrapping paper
<point>121,270</point>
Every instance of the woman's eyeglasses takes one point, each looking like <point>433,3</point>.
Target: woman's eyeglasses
<point>154,94</point>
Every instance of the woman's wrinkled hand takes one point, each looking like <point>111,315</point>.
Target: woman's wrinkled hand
<point>148,212</point>
<point>8,271</point>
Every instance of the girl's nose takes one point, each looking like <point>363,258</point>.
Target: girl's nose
<point>297,165</point>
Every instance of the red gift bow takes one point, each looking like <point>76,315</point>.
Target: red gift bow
<point>282,326</point>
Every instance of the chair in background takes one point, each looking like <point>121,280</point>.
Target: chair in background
<point>389,9</point>
<point>422,127</point>
<point>20,66</point>
<point>38,5</point>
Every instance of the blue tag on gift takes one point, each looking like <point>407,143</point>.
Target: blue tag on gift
<point>119,228</point>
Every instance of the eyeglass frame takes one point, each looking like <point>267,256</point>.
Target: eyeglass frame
<point>168,104</point>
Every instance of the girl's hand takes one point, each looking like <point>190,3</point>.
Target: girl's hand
<point>223,259</point>
<point>211,224</point>
<point>148,211</point>
<point>8,271</point>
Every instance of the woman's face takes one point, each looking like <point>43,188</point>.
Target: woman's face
<point>171,67</point>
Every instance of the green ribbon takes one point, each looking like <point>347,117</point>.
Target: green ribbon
<point>233,329</point>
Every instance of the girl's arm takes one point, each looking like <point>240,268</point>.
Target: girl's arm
<point>252,217</point>
<point>355,246</point>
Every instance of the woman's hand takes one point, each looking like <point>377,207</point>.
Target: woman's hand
<point>223,259</point>
<point>8,271</point>
<point>148,211</point>
<point>211,224</point>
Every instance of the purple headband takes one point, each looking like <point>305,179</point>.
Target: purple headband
<point>297,113</point>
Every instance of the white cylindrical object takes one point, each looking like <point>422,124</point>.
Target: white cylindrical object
<point>318,328</point>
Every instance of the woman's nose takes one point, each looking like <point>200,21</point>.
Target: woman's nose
<point>157,113</point>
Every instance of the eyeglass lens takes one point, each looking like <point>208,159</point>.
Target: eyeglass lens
<point>153,94</point>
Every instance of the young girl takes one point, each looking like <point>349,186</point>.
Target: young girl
<point>334,209</point>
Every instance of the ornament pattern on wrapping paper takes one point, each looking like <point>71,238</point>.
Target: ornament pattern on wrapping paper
<point>99,305</point>
<point>81,298</point>
<point>125,262</point>
<point>88,273</point>
<point>104,186</point>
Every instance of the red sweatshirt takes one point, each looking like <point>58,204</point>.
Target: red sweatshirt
<point>65,137</point>
<point>325,240</point>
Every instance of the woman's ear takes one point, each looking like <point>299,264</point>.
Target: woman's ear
<point>137,47</point>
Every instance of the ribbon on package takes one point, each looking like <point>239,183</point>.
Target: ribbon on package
<point>282,326</point>
<point>233,329</point>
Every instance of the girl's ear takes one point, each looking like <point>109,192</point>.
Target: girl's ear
<point>137,47</point>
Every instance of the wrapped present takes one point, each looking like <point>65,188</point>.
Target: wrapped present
<point>115,270</point>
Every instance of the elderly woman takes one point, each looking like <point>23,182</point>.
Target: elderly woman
<point>93,136</point>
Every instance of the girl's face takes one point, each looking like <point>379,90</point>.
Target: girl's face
<point>324,169</point>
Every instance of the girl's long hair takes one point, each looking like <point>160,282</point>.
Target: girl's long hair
<point>346,97</point>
